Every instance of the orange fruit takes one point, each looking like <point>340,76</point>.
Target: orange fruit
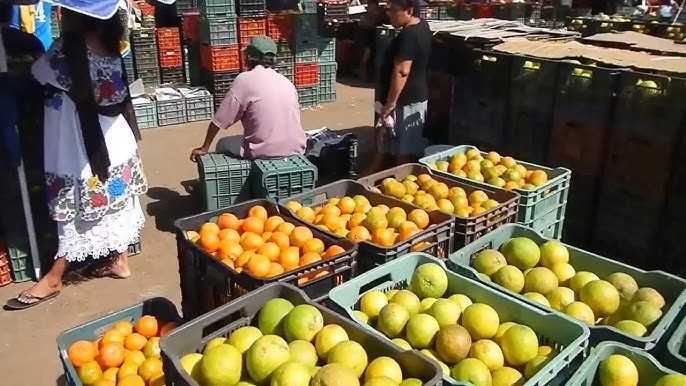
<point>273,222</point>
<point>275,269</point>
<point>209,227</point>
<point>135,357</point>
<point>251,241</point>
<point>266,236</point>
<point>363,208</point>
<point>89,373</point>
<point>384,237</point>
<point>508,162</point>
<point>309,258</point>
<point>243,258</point>
<point>306,214</point>
<point>81,352</point>
<point>331,209</point>
<point>135,342</point>
<point>125,328</point>
<point>406,233</point>
<point>228,221</point>
<point>229,263</point>
<point>110,375</point>
<point>313,245</point>
<point>229,234</point>
<point>148,368</point>
<point>253,224</point>
<point>419,217</point>
<point>286,228</point>
<point>157,379</point>
<point>147,326</point>
<point>228,250</point>
<point>259,212</point>
<point>356,219</point>
<point>359,234</point>
<point>270,250</point>
<point>209,242</point>
<point>104,382</point>
<point>112,336</point>
<point>293,206</point>
<point>281,239</point>
<point>131,380</point>
<point>300,235</point>
<point>511,185</point>
<point>111,355</point>
<point>290,258</point>
<point>258,265</point>
<point>332,251</point>
<point>347,205</point>
<point>127,369</point>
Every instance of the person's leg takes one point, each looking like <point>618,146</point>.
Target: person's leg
<point>48,284</point>
<point>410,121</point>
<point>119,268</point>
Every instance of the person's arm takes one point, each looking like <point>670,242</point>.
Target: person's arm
<point>230,111</point>
<point>401,70</point>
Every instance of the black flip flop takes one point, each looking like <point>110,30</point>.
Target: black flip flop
<point>28,301</point>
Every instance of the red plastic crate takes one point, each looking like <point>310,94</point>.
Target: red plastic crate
<point>146,9</point>
<point>170,58</point>
<point>189,25</point>
<point>280,27</point>
<point>306,74</point>
<point>168,38</point>
<point>249,27</point>
<point>484,11</point>
<point>220,58</point>
<point>5,277</point>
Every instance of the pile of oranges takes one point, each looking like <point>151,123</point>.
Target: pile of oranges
<point>356,219</point>
<point>262,245</point>
<point>127,355</point>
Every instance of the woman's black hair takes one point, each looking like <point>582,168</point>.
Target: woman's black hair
<point>109,32</point>
<point>406,5</point>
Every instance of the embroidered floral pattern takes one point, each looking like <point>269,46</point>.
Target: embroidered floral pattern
<point>90,199</point>
<point>55,101</point>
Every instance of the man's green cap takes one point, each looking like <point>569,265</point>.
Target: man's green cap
<point>261,46</point>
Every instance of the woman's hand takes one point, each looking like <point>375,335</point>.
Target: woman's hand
<point>197,152</point>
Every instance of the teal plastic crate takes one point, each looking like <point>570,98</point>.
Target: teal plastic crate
<point>284,177</point>
<point>146,114</point>
<point>20,263</point>
<point>673,355</point>
<point>649,370</point>
<point>308,97</point>
<point>565,335</point>
<point>224,180</point>
<point>326,91</point>
<point>671,287</point>
<point>161,308</point>
<point>326,50</point>
<point>542,209</point>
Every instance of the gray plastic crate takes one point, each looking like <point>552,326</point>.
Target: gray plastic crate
<point>326,50</point>
<point>308,97</point>
<point>217,7</point>
<point>218,31</point>
<point>327,72</point>
<point>171,112</point>
<point>306,54</point>
<point>285,70</point>
<point>309,6</point>
<point>145,58</point>
<point>326,91</point>
<point>224,180</point>
<point>199,104</point>
<point>146,114</point>
<point>284,53</point>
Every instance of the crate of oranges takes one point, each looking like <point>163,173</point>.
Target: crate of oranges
<point>243,247</point>
<point>476,209</point>
<point>384,227</point>
<point>120,349</point>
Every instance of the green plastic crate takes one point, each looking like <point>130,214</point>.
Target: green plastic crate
<point>224,180</point>
<point>542,209</point>
<point>671,287</point>
<point>674,355</point>
<point>649,370</point>
<point>284,177</point>
<point>20,263</point>
<point>562,333</point>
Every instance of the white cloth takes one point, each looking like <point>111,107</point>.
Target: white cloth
<point>94,218</point>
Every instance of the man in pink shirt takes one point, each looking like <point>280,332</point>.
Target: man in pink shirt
<point>266,103</point>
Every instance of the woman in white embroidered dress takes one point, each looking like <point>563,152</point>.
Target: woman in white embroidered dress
<point>92,168</point>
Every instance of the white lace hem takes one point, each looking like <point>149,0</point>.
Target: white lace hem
<point>114,232</point>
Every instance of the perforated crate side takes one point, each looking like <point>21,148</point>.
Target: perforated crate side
<point>326,91</point>
<point>308,97</point>
<point>173,75</point>
<point>306,55</point>
<point>286,70</point>
<point>309,6</point>
<point>217,7</point>
<point>20,262</point>
<point>248,27</point>
<point>283,178</point>
<point>326,50</point>
<point>284,53</point>
<point>219,82</point>
<point>146,115</point>
<point>145,58</point>
<point>218,31</point>
<point>327,72</point>
<point>305,28</point>
<point>149,76</point>
<point>224,180</point>
<point>200,108</point>
<point>251,8</point>
<point>172,112</point>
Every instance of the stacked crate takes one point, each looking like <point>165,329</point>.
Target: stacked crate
<point>145,59</point>
<point>306,69</point>
<point>280,29</point>
<point>169,54</point>
<point>326,59</point>
<point>219,49</point>
<point>191,42</point>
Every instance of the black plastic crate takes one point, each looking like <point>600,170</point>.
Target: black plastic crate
<point>334,155</point>
<point>251,8</point>
<point>333,12</point>
<point>436,239</point>
<point>173,75</point>
<point>183,6</point>
<point>145,57</point>
<point>218,283</point>
<point>219,83</point>
<point>143,38</point>
<point>218,31</point>
<point>532,97</point>
<point>149,76</point>
<point>193,336</point>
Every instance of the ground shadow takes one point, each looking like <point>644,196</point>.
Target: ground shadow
<point>170,206</point>
<point>61,380</point>
<point>355,81</point>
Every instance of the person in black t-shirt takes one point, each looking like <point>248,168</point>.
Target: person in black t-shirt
<point>402,100</point>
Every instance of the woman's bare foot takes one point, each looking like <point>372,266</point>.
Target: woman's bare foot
<point>119,269</point>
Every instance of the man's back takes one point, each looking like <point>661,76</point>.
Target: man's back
<point>271,114</point>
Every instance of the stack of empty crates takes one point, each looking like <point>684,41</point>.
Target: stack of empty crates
<point>145,59</point>
<point>169,51</point>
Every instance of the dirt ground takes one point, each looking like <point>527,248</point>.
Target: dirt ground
<point>28,350</point>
